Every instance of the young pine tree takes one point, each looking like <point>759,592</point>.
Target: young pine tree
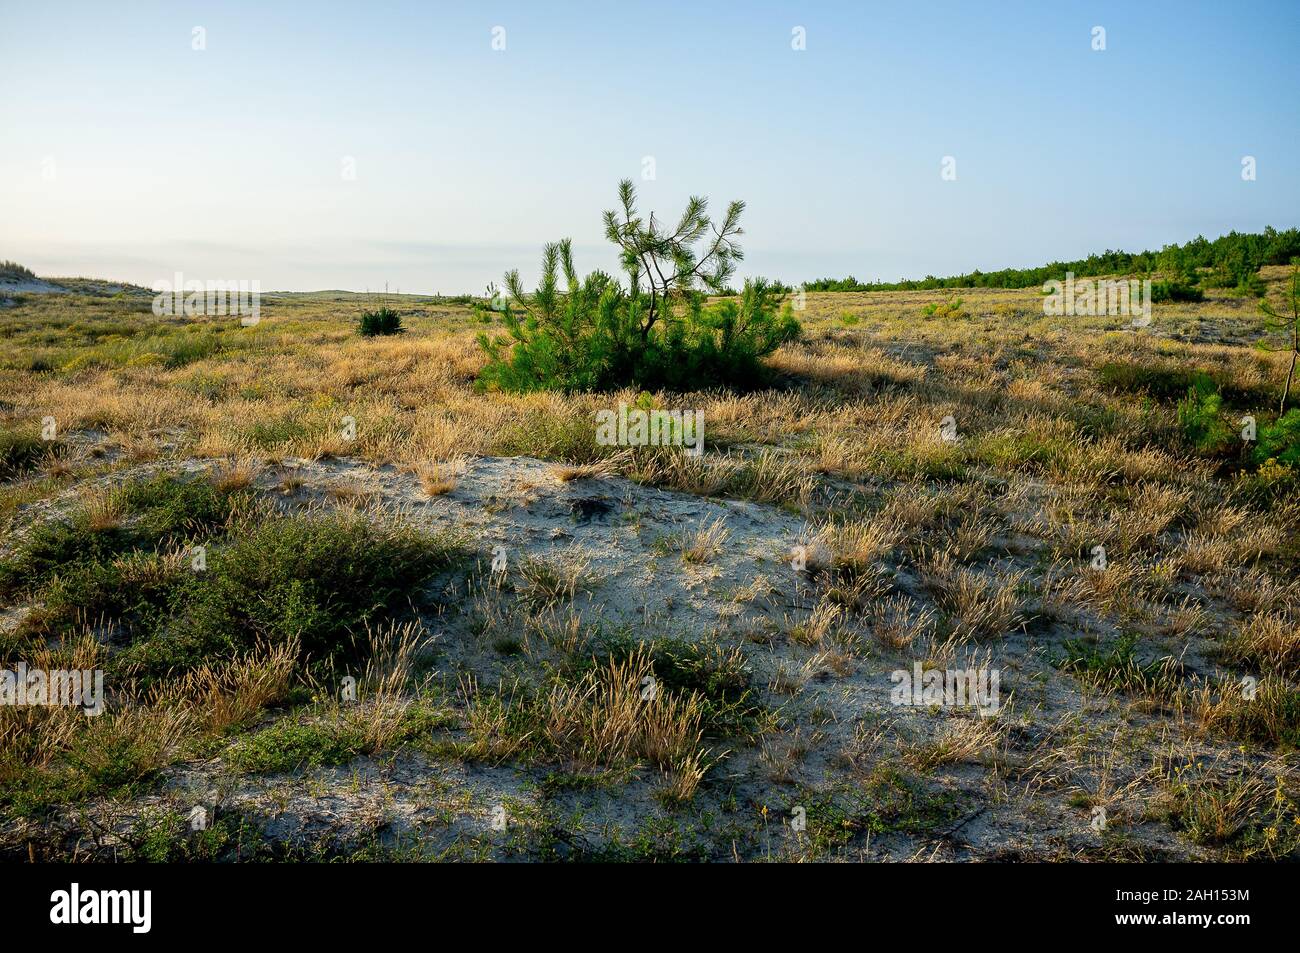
<point>658,332</point>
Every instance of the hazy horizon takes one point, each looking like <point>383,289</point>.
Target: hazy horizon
<point>308,149</point>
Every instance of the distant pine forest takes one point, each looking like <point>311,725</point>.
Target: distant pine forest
<point>1232,260</point>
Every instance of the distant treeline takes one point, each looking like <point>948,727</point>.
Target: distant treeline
<point>1232,259</point>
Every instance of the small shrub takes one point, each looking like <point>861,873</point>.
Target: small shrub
<point>1251,285</point>
<point>288,745</point>
<point>382,321</point>
<point>317,581</point>
<point>85,550</point>
<point>1280,441</point>
<point>1175,290</point>
<point>946,309</point>
<point>1200,418</point>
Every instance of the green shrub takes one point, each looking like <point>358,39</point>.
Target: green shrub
<point>1251,284</point>
<point>160,513</point>
<point>1277,319</point>
<point>135,589</point>
<point>1200,418</point>
<point>1175,290</point>
<point>382,321</point>
<point>658,333</point>
<point>1280,440</point>
<point>319,581</point>
<point>946,309</point>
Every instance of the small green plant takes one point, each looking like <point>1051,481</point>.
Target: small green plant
<point>946,309</point>
<point>1279,321</point>
<point>382,321</point>
<point>1201,420</point>
<point>1117,667</point>
<point>288,745</point>
<point>316,581</point>
<point>1280,441</point>
<point>1251,285</point>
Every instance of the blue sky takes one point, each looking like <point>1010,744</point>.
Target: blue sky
<point>126,153</point>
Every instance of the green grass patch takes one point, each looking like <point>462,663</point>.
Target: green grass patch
<point>1117,666</point>
<point>288,745</point>
<point>319,580</point>
<point>21,451</point>
<point>82,552</point>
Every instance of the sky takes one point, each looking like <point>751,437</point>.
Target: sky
<point>428,147</point>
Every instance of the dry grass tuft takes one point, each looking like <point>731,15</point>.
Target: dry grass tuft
<point>436,479</point>
<point>1268,641</point>
<point>706,542</point>
<point>960,740</point>
<point>223,697</point>
<point>897,622</point>
<point>235,475</point>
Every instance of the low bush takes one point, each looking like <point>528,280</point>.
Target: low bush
<point>382,321</point>
<point>317,581</point>
<point>1201,420</point>
<point>1175,290</point>
<point>1279,441</point>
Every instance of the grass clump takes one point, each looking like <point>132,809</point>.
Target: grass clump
<point>12,271</point>
<point>21,451</point>
<point>1268,715</point>
<point>1246,813</point>
<point>718,676</point>
<point>55,756</point>
<point>616,711</point>
<point>1117,668</point>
